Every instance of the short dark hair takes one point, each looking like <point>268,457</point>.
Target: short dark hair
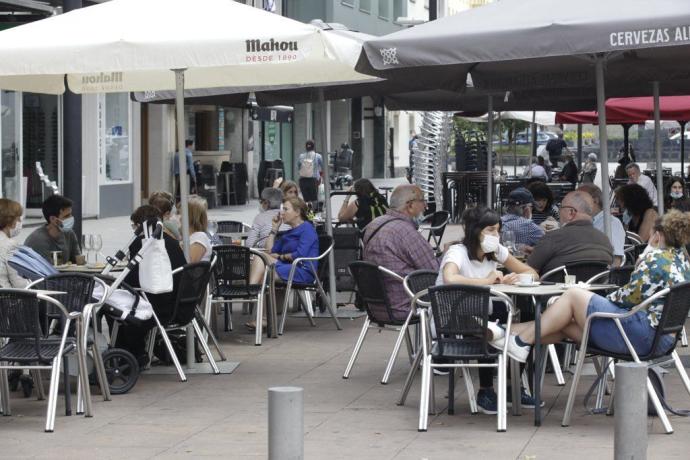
<point>541,191</point>
<point>475,220</point>
<point>53,205</point>
<point>309,145</point>
<point>188,142</point>
<point>144,213</point>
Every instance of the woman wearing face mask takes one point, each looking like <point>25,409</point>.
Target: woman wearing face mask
<point>639,214</point>
<point>665,265</point>
<point>475,262</point>
<point>163,201</point>
<point>675,194</point>
<point>10,226</point>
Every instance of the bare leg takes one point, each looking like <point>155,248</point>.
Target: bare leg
<point>256,274</point>
<point>572,305</point>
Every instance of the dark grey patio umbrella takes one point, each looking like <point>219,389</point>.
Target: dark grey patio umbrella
<point>516,45</point>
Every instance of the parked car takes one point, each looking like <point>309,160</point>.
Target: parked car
<point>542,137</point>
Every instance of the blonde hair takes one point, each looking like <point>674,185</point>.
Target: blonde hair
<point>10,210</point>
<point>198,217</point>
<point>675,226</point>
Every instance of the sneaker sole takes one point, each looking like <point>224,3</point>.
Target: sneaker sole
<point>486,411</point>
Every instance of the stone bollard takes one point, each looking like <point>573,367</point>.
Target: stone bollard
<point>285,423</point>
<point>630,439</point>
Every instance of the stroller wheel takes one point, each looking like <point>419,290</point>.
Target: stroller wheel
<point>121,369</point>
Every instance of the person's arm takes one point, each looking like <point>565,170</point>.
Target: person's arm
<point>348,210</point>
<point>254,232</point>
<point>535,234</point>
<point>518,267</point>
<point>647,224</point>
<point>451,275</point>
<point>196,252</point>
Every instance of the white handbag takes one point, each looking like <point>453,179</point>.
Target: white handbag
<point>155,271</point>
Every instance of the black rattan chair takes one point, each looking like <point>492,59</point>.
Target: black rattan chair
<point>29,346</point>
<point>437,223</point>
<point>370,282</point>
<point>230,283</point>
<point>320,273</point>
<point>79,288</point>
<point>461,316</point>
<point>671,321</point>
<point>231,226</point>
<point>191,282</point>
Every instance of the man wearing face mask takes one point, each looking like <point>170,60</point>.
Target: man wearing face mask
<point>392,241</point>
<point>57,233</point>
<point>576,240</point>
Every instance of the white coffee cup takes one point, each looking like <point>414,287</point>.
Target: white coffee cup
<point>526,278</point>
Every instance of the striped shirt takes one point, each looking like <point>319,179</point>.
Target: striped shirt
<point>261,228</point>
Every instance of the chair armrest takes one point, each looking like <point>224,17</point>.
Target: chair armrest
<point>417,302</point>
<point>504,298</point>
<point>391,273</point>
<point>553,271</point>
<point>598,277</point>
<point>642,306</point>
<point>262,255</point>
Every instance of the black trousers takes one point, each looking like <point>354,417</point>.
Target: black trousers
<point>309,188</point>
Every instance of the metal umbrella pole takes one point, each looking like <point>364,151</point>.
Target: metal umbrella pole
<point>327,205</point>
<point>682,148</point>
<point>182,162</point>
<point>489,153</point>
<point>657,148</point>
<point>603,142</point>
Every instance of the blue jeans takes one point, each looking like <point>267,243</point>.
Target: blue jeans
<point>604,333</point>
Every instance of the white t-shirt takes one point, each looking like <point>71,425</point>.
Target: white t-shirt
<point>457,254</point>
<point>203,239</point>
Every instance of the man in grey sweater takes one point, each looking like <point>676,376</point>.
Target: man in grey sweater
<point>576,240</point>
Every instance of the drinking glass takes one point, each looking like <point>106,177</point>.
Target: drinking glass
<point>212,227</point>
<point>508,237</point>
<point>96,245</point>
<point>87,244</point>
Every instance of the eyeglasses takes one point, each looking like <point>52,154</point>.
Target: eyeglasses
<point>569,207</point>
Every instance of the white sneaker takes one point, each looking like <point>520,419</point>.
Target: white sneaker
<point>517,352</point>
<point>498,334</point>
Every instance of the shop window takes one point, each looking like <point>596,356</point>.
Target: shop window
<point>114,123</point>
<point>384,10</point>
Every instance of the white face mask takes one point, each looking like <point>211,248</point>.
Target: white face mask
<point>14,231</point>
<point>490,243</point>
<point>676,195</point>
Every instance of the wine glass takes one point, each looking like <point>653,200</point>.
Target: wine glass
<point>212,227</point>
<point>96,244</point>
<point>508,237</point>
<point>87,244</point>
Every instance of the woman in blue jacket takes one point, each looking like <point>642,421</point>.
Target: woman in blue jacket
<point>300,241</point>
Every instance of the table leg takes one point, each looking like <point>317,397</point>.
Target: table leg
<point>537,361</point>
<point>227,189</point>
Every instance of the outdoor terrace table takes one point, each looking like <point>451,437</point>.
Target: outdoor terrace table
<point>81,268</point>
<point>234,236</point>
<point>538,292</point>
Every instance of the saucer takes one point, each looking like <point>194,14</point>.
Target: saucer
<point>532,284</point>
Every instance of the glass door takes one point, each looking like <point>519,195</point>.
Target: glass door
<point>10,132</point>
<point>40,142</point>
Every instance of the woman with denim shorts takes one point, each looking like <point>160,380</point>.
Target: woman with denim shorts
<point>663,265</point>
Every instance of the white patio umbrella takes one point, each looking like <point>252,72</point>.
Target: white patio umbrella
<point>140,45</point>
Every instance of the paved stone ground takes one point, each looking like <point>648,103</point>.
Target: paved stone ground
<point>226,415</point>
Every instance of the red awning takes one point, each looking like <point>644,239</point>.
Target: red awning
<point>632,110</point>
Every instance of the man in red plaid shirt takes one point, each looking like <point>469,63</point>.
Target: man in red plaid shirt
<point>392,241</point>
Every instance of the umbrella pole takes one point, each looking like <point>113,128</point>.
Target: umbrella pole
<point>603,143</point>
<point>489,152</point>
<point>682,149</point>
<point>327,206</point>
<point>514,142</point>
<point>579,146</point>
<point>657,148</point>
<point>182,161</point>
<point>500,145</point>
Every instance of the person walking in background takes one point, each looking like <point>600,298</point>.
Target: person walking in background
<point>589,170</point>
<point>310,166</point>
<point>555,148</point>
<point>188,145</point>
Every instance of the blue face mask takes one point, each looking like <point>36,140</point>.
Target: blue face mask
<point>627,217</point>
<point>67,224</point>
